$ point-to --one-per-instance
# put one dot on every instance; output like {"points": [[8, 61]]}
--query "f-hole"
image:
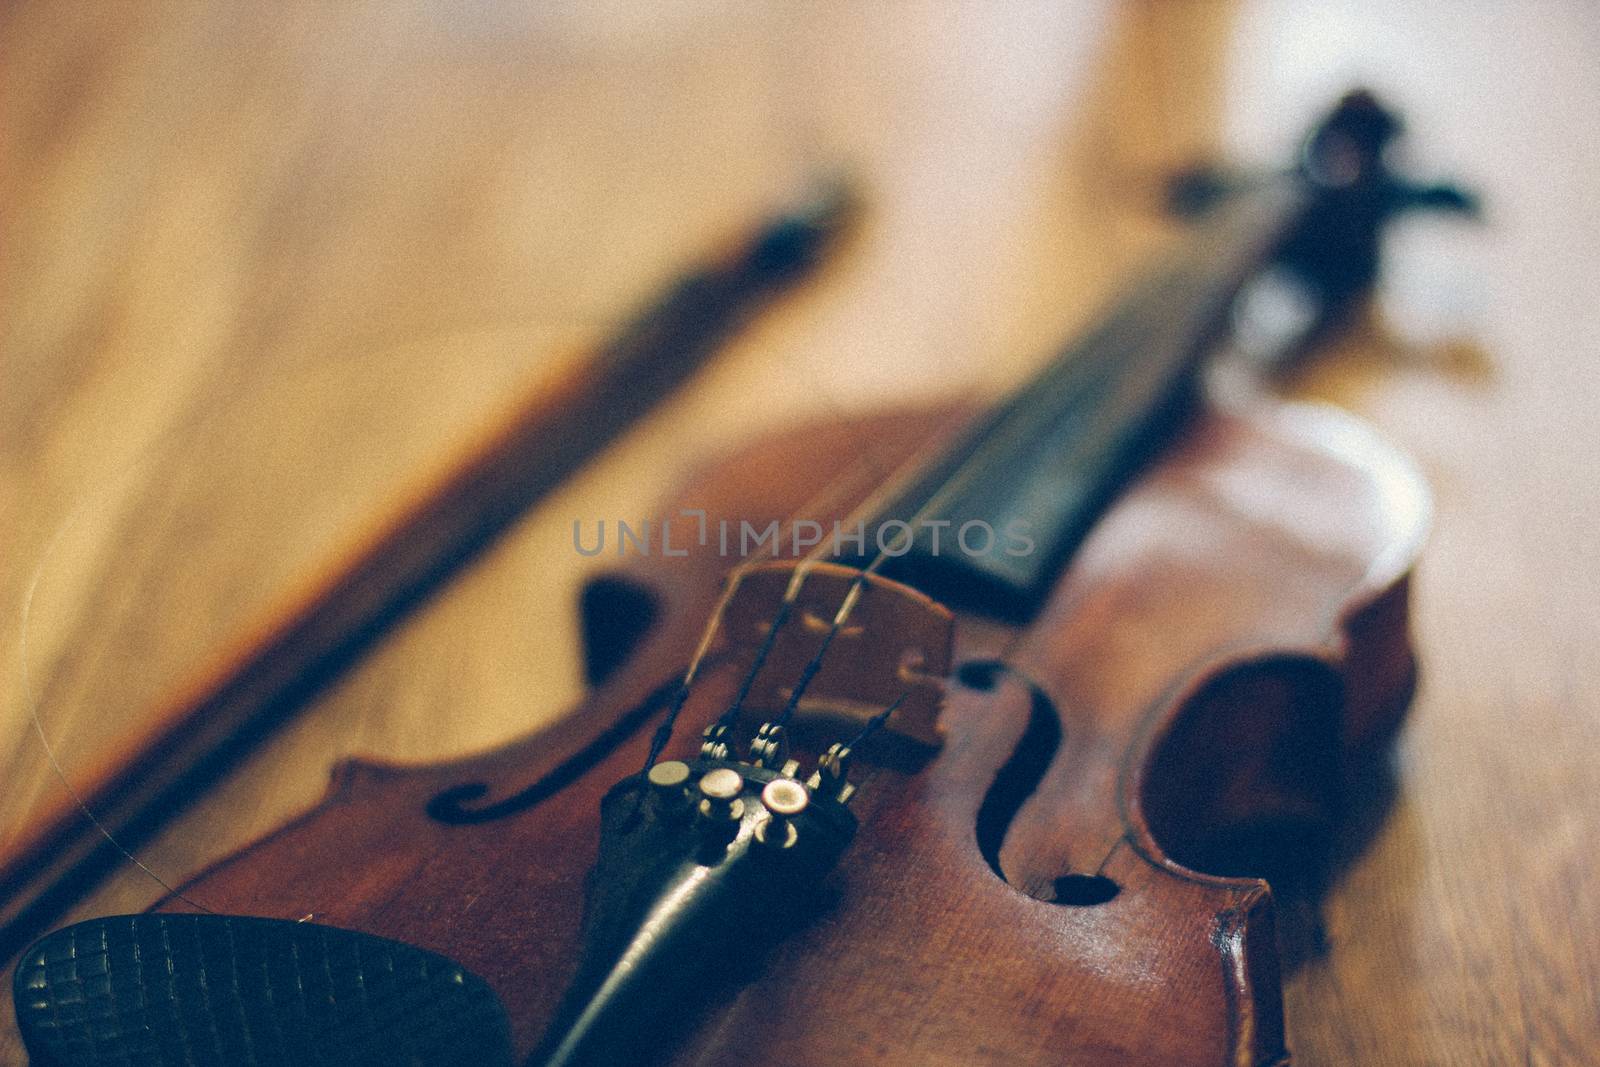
{"points": [[1019, 776], [1018, 779], [1083, 890]]}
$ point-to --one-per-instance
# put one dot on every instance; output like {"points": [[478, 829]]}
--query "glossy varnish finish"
{"points": [[1230, 583], [261, 268]]}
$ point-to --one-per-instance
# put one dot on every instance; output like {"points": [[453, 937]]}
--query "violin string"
{"points": [[874, 724], [814, 664], [886, 485], [970, 467], [964, 473], [792, 592], [1013, 422], [902, 476], [818, 502], [936, 500], [790, 596], [846, 606], [663, 733]]}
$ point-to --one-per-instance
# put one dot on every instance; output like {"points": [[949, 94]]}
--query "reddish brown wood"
{"points": [[1232, 634]]}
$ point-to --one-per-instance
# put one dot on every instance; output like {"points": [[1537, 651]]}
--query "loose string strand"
{"points": [[31, 697]]}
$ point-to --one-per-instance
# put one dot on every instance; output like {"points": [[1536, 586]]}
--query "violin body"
{"points": [[1074, 876]]}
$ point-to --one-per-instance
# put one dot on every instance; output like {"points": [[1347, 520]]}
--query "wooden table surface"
{"points": [[265, 267]]}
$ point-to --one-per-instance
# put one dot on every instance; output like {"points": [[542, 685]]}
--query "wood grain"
{"points": [[174, 751], [1200, 670], [260, 267]]}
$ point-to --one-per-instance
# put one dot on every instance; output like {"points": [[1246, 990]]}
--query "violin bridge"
{"points": [[894, 645]]}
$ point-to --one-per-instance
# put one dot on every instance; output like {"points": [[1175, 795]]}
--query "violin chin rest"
{"points": [[156, 990]]}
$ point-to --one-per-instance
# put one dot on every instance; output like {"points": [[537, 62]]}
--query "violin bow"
{"points": [[213, 721], [703, 863]]}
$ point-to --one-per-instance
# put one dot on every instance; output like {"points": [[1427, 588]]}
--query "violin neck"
{"points": [[1037, 471]]}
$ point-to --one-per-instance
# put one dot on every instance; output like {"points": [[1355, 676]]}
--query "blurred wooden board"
{"points": [[259, 268]]}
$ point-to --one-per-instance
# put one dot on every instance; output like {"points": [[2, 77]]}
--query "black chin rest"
{"points": [[158, 990]]}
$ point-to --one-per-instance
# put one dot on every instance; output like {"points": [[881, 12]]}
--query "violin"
{"points": [[941, 736]]}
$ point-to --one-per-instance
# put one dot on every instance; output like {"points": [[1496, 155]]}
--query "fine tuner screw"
{"points": [[832, 775], [669, 781], [720, 805], [784, 798], [769, 747], [717, 742]]}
